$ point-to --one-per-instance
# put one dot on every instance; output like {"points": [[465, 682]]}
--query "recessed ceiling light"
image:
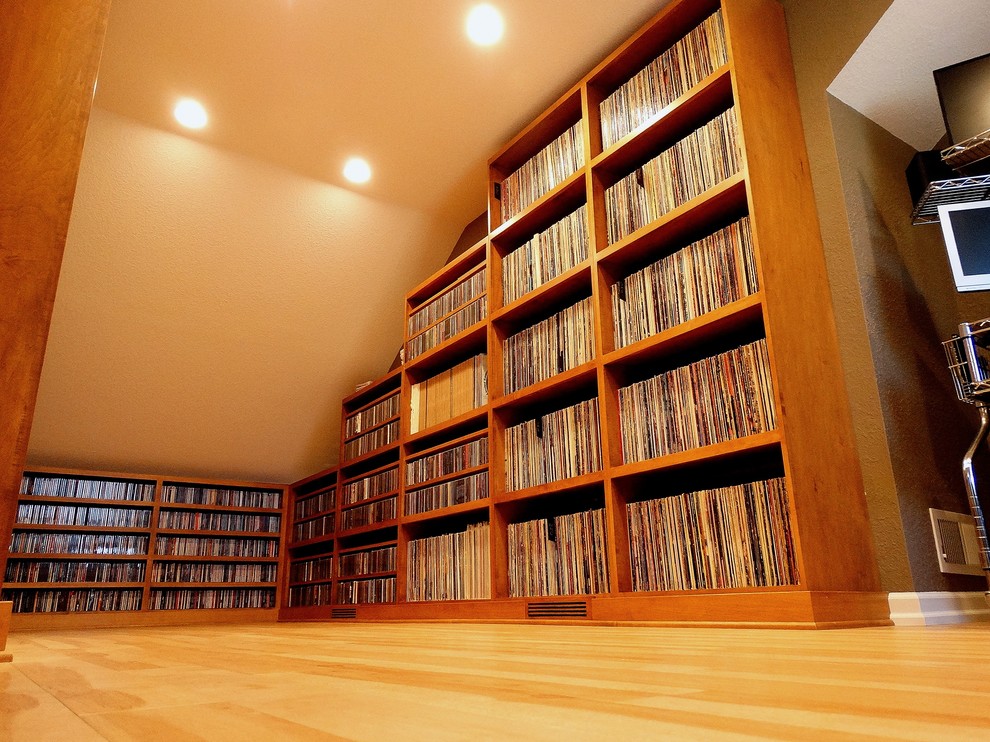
{"points": [[357, 170], [190, 113], [485, 25]]}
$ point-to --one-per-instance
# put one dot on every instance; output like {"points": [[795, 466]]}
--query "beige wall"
{"points": [[894, 303]]}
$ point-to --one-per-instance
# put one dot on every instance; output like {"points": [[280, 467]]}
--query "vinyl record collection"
{"points": [[215, 572], [171, 600], [74, 571], [563, 341], [83, 515], [736, 536], [561, 444], [451, 566], [312, 505], [72, 600], [449, 393], [46, 485], [703, 276], [201, 546], [546, 255], [689, 61], [367, 561], [364, 515], [699, 161], [370, 486], [543, 171], [319, 526], [205, 520], [564, 555], [371, 441], [371, 590], [462, 293], [311, 570], [302, 595], [446, 494], [716, 399], [33, 542], [372, 416], [227, 497], [447, 328], [448, 461]]}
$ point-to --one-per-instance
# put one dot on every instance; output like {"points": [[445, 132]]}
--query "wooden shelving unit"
{"points": [[82, 555], [775, 481]]}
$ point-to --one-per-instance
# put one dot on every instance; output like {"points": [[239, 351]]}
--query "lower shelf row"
{"points": [[74, 600]]}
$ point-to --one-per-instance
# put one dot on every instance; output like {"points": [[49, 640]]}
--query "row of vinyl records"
{"points": [[564, 555], [449, 461], [736, 536], [716, 399], [322, 526], [83, 515], [363, 515], [311, 570], [234, 597], [223, 496], [73, 571], [371, 486], [446, 494], [321, 502], [448, 328], [215, 572], [464, 292], [211, 546], [303, 595], [449, 393], [367, 561], [682, 66], [46, 485], [451, 566], [563, 341], [698, 278], [213, 521], [699, 161], [558, 445], [372, 416], [371, 441], [73, 600], [31, 542], [545, 255], [370, 590], [543, 171]]}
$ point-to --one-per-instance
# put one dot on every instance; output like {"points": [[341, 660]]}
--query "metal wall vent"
{"points": [[343, 613], [956, 544], [558, 609]]}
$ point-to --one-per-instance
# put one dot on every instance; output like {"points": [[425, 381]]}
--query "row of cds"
{"points": [[543, 171], [311, 570], [699, 161], [30, 542], [83, 515], [367, 561], [372, 416], [446, 329], [205, 520], [705, 275], [235, 547], [689, 61], [563, 341], [321, 502], [72, 600], [303, 595], [224, 496], [372, 590], [217, 572], [449, 393], [74, 571], [371, 441], [371, 486], [363, 515], [463, 292], [716, 399], [451, 566], [46, 485], [175, 600], [321, 526], [561, 444], [447, 494], [728, 537], [449, 461], [565, 555], [546, 255]]}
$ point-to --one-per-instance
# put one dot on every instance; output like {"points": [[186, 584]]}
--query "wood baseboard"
{"points": [[936, 608], [118, 619], [6, 608]]}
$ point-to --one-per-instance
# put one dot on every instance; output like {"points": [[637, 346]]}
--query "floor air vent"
{"points": [[343, 613], [956, 542], [558, 609]]}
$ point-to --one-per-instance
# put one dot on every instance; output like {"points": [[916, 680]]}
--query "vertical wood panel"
{"points": [[49, 57]]}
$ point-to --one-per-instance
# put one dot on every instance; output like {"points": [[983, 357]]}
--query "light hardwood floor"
{"points": [[366, 681]]}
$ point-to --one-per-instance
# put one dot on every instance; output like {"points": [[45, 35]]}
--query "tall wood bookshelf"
{"points": [[104, 549], [772, 482]]}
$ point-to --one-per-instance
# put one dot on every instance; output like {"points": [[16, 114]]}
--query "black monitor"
{"points": [[964, 92]]}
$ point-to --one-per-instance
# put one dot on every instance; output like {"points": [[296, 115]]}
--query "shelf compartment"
{"points": [[156, 585], [368, 528], [46, 500], [353, 468], [325, 538], [460, 474], [374, 392], [320, 581], [49, 527], [382, 496], [214, 558], [569, 195], [454, 272], [77, 556], [571, 484], [470, 339], [217, 534], [548, 391], [453, 511], [372, 428], [574, 282], [218, 508], [366, 576], [72, 585]]}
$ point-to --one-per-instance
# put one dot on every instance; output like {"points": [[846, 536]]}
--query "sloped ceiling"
{"points": [[223, 290]]}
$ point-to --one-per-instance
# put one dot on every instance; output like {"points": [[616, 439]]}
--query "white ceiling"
{"points": [[889, 78], [222, 290]]}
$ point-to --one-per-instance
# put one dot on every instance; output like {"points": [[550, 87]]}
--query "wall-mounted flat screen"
{"points": [[966, 229]]}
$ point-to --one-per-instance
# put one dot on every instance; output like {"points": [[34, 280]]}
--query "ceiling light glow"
{"points": [[190, 113], [357, 170], [485, 25]]}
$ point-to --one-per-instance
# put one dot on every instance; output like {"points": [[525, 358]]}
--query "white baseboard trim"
{"points": [[932, 609]]}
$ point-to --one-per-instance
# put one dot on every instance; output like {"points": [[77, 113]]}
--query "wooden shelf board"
{"points": [[369, 528], [146, 617], [73, 585], [571, 283], [369, 547], [463, 419], [556, 387], [451, 443], [374, 498], [320, 581], [33, 556], [452, 273], [714, 452], [463, 473], [218, 534], [463, 305], [390, 447], [464, 342], [366, 576], [316, 516], [378, 389], [55, 527], [210, 585], [373, 428], [213, 558], [322, 539], [561, 485], [219, 508], [101, 502], [552, 206], [369, 473], [440, 513]]}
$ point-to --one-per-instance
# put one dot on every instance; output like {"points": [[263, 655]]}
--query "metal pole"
{"points": [[974, 503]]}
